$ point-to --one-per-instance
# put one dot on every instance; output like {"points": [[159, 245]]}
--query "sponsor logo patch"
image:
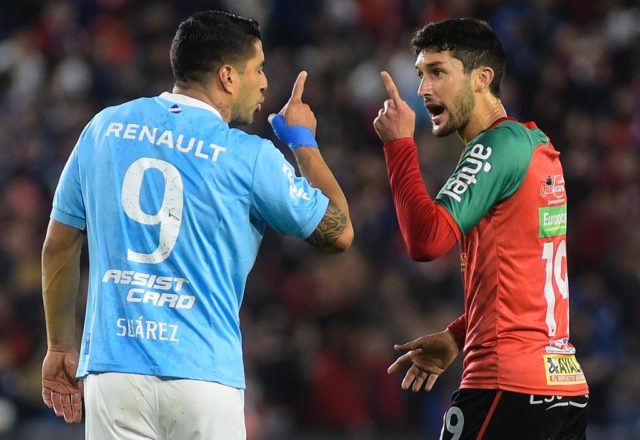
{"points": [[560, 346], [552, 190], [553, 221], [563, 370]]}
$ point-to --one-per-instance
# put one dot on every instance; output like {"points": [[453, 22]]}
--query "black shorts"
{"points": [[503, 415]]}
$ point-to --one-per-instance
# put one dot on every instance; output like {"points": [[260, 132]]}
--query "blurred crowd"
{"points": [[319, 330]]}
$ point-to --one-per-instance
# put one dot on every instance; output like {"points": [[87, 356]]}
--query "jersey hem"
{"points": [[406, 142], [67, 219], [107, 368], [308, 230], [526, 390]]}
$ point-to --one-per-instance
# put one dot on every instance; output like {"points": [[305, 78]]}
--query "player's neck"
{"points": [[205, 96], [485, 113]]}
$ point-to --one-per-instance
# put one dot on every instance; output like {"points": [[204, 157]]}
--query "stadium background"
{"points": [[318, 330]]}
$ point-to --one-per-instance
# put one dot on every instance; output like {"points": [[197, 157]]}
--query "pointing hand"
{"points": [[395, 119]]}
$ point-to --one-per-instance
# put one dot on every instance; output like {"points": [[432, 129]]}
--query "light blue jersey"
{"points": [[175, 204]]}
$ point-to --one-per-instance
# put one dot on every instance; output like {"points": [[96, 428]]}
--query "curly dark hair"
{"points": [[470, 40]]}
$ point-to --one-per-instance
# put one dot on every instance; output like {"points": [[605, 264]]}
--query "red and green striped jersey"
{"points": [[506, 202]]}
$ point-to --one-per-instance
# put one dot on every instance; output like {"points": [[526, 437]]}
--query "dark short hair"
{"points": [[209, 39], [470, 40]]}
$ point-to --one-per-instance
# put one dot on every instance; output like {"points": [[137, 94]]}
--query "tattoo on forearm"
{"points": [[330, 228]]}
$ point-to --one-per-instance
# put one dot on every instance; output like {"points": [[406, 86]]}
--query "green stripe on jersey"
{"points": [[553, 221], [491, 169]]}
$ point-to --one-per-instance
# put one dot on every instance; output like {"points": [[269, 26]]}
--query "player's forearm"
{"points": [[59, 291], [60, 279], [425, 228], [335, 231], [316, 171]]}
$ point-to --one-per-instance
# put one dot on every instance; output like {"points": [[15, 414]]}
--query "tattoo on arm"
{"points": [[329, 230]]}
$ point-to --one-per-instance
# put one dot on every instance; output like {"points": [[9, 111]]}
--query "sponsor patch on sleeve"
{"points": [[553, 221], [563, 370]]}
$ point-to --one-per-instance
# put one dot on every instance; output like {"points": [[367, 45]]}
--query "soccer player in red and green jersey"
{"points": [[507, 206]]}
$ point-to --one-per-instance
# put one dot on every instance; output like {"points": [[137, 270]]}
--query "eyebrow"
{"points": [[431, 65]]}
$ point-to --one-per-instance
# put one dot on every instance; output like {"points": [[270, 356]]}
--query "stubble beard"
{"points": [[242, 117], [460, 112], [242, 112]]}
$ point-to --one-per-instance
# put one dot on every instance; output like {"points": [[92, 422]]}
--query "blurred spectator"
{"points": [[320, 344]]}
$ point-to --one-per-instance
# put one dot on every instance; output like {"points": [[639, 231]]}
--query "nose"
{"points": [[425, 88], [265, 83]]}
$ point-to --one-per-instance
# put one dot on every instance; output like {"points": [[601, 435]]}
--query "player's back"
{"points": [[167, 190], [154, 170]]}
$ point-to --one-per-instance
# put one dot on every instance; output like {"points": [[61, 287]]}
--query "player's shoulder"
{"points": [[508, 146], [248, 139], [248, 145], [509, 141], [119, 110], [509, 133]]}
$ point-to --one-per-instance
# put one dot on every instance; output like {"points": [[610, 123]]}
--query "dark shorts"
{"points": [[503, 415]]}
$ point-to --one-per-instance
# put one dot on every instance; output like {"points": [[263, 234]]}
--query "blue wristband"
{"points": [[293, 135]]}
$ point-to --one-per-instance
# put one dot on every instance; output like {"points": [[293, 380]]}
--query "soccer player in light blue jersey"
{"points": [[174, 205]]}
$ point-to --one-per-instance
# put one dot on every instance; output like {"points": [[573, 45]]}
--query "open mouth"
{"points": [[435, 110], [437, 113]]}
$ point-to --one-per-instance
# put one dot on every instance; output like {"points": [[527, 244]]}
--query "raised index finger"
{"points": [[392, 90], [298, 87]]}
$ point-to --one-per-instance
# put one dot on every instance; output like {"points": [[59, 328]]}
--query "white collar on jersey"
{"points": [[188, 100]]}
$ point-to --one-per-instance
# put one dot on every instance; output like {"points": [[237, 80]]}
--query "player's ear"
{"points": [[227, 77], [482, 78]]}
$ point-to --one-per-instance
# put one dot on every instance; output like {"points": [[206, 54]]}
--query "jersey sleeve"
{"points": [[68, 204], [491, 169], [427, 228], [458, 329], [284, 201]]}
